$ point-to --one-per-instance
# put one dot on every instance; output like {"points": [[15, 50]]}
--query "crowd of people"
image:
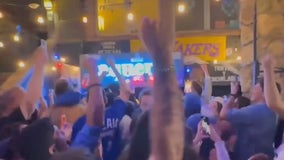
{"points": [[162, 123]]}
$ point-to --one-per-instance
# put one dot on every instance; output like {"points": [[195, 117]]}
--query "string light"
{"points": [[16, 38], [1, 44], [130, 16], [181, 7], [85, 19], [215, 61], [21, 64], [40, 20]]}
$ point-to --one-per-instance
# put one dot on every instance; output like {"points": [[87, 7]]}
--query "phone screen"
{"points": [[187, 86], [205, 126], [43, 44]]}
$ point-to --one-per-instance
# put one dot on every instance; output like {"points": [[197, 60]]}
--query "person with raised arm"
{"points": [[207, 89], [167, 116], [18, 105], [90, 133], [255, 117], [271, 93], [124, 88], [274, 101]]}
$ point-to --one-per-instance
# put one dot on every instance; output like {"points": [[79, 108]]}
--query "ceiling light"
{"points": [[85, 19], [130, 16], [48, 5], [181, 8], [1, 44], [33, 5], [16, 38], [21, 64], [40, 20]]}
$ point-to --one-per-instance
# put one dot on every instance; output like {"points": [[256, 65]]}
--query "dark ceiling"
{"points": [[19, 13]]}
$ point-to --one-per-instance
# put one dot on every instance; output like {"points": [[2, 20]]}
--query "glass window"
{"points": [[193, 16], [224, 14]]}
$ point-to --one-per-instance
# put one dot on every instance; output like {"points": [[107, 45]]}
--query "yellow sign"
{"points": [[206, 48]]}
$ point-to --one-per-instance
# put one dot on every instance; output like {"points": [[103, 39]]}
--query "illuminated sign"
{"points": [[128, 69], [136, 68], [208, 48]]}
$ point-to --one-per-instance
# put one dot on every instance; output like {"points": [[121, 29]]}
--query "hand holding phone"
{"points": [[205, 125]]}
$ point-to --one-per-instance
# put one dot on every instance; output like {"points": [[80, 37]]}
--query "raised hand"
{"points": [[150, 35], [204, 69], [156, 41], [90, 64], [268, 62], [200, 135]]}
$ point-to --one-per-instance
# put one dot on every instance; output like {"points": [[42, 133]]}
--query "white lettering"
{"points": [[112, 123], [128, 69]]}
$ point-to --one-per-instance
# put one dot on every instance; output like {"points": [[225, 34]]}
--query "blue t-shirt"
{"points": [[256, 127], [111, 134], [68, 98], [88, 137], [192, 104]]}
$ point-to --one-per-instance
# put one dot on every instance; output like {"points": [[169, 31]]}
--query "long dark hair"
{"points": [[140, 147]]}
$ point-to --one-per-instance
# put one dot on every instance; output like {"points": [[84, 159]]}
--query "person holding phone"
{"points": [[208, 131]]}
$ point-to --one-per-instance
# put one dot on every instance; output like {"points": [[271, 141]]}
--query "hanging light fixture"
{"points": [[33, 5], [181, 7]]}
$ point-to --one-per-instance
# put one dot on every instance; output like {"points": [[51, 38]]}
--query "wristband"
{"points": [[94, 85]]}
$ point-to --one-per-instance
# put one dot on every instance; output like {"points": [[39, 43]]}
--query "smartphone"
{"points": [[43, 44], [187, 86], [205, 125]]}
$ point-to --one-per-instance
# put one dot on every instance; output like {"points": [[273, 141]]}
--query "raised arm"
{"points": [[95, 105], [231, 101], [207, 90], [272, 95], [167, 125], [34, 89], [125, 90], [90, 134]]}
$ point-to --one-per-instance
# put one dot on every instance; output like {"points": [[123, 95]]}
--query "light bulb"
{"points": [[181, 8], [130, 16], [85, 19], [40, 20]]}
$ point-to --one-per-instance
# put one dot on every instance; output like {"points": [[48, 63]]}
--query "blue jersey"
{"points": [[111, 134]]}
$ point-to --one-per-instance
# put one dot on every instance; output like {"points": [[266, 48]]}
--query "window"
{"points": [[193, 16], [224, 14]]}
